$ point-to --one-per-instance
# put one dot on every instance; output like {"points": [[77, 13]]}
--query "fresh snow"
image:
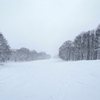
{"points": [[50, 80]]}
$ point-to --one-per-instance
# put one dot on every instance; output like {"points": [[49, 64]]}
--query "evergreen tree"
{"points": [[4, 49]]}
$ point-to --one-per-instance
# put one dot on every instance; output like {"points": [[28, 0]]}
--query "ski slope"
{"points": [[50, 80]]}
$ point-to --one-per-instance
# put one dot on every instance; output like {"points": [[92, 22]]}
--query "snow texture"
{"points": [[50, 80]]}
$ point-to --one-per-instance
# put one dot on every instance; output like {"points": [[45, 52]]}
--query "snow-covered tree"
{"points": [[24, 54], [66, 51], [86, 46], [97, 43], [4, 49]]}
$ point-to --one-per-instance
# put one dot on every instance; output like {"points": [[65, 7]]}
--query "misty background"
{"points": [[44, 25]]}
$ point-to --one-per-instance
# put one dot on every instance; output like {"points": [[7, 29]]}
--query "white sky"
{"points": [[43, 25]]}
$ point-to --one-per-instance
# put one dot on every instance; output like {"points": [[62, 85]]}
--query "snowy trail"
{"points": [[50, 80]]}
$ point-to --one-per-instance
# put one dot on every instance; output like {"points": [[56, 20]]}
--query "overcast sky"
{"points": [[43, 25]]}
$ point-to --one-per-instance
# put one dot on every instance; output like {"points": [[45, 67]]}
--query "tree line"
{"points": [[22, 54], [86, 46]]}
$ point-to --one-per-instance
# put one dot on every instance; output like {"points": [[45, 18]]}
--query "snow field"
{"points": [[50, 80]]}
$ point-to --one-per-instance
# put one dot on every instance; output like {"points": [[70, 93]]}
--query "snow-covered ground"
{"points": [[50, 80]]}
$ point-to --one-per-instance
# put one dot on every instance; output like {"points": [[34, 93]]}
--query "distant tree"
{"points": [[33, 55], [24, 54], [92, 44], [66, 50], [4, 49], [43, 55], [78, 47]]}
